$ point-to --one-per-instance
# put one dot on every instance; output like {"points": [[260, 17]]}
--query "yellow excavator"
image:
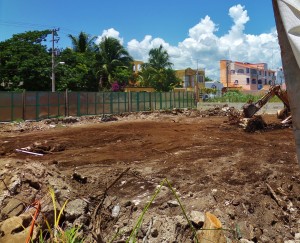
{"points": [[251, 108]]}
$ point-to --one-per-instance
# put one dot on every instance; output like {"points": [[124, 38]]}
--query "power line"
{"points": [[34, 25]]}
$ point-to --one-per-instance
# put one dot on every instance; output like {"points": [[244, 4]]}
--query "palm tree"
{"points": [[83, 43], [159, 58], [111, 57], [158, 72]]}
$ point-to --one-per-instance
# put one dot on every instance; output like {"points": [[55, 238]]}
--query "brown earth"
{"points": [[250, 181]]}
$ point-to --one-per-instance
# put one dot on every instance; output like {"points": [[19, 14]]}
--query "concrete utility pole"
{"points": [[54, 34]]}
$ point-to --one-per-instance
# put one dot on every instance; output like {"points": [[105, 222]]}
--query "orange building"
{"points": [[246, 76]]}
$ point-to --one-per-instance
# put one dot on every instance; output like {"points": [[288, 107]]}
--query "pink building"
{"points": [[246, 76]]}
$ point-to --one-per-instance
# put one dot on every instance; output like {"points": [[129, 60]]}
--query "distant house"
{"points": [[137, 66], [189, 78], [246, 76], [214, 85]]}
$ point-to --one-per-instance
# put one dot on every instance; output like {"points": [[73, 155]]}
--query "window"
{"points": [[247, 70], [270, 82], [253, 71], [232, 71], [240, 71], [259, 72], [265, 73], [266, 81], [200, 78], [259, 81], [248, 81], [253, 81], [236, 82]]}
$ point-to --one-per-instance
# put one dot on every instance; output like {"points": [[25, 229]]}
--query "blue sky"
{"points": [[192, 31]]}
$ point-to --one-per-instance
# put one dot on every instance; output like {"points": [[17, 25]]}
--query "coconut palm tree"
{"points": [[159, 58], [83, 43], [112, 56], [158, 72]]}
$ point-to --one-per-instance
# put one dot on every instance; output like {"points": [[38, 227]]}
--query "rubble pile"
{"points": [[44, 147], [98, 218], [253, 124]]}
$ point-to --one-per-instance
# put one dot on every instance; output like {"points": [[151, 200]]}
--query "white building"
{"points": [[279, 76]]}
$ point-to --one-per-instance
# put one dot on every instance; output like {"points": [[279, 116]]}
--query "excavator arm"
{"points": [[251, 108]]}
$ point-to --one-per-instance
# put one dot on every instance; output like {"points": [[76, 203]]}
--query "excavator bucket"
{"points": [[249, 110]]}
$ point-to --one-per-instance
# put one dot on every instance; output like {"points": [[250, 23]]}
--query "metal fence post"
{"points": [[129, 101], [160, 100], [78, 103], [87, 103], [23, 104], [118, 102], [111, 103], [66, 103], [138, 101], [12, 106], [103, 103], [95, 97], [37, 106], [150, 101]]}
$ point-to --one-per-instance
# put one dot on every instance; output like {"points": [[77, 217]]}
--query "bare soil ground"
{"points": [[250, 181]]}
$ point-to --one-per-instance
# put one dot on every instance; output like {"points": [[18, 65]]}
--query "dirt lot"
{"points": [[250, 181]]}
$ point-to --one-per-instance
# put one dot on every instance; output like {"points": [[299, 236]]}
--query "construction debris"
{"points": [[253, 124], [28, 152]]}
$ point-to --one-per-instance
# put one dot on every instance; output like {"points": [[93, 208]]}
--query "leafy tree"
{"points": [[112, 58], [208, 79], [78, 73], [123, 75], [24, 62], [158, 72], [83, 43]]}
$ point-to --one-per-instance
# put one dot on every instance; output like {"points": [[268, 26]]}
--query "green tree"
{"points": [[159, 58], [158, 72], [83, 43], [207, 79], [78, 73], [112, 57], [24, 62]]}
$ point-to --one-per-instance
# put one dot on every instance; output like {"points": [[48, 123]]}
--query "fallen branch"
{"points": [[275, 197], [96, 231]]}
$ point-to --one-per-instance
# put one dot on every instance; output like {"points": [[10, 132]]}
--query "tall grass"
{"points": [[56, 234], [239, 97], [133, 236]]}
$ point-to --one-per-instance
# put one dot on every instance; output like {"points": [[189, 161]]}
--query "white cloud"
{"points": [[202, 46], [110, 33]]}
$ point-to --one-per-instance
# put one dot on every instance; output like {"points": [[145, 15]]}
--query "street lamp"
{"points": [[54, 65]]}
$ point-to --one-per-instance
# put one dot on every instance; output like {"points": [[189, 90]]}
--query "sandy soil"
{"points": [[213, 166]]}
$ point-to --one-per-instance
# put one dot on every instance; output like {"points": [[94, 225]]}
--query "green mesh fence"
{"points": [[30, 105]]}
